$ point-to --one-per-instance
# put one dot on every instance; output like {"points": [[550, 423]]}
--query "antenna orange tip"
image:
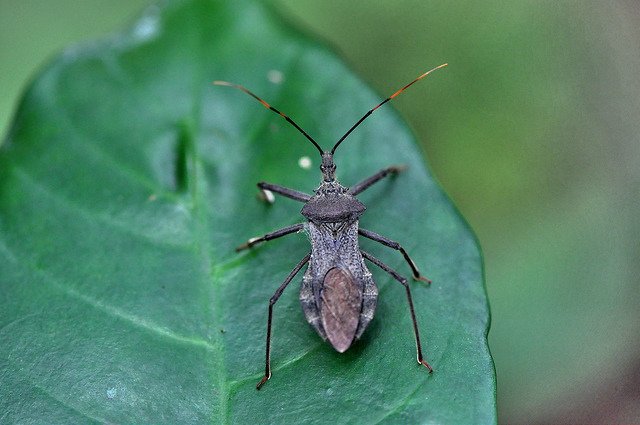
{"points": [[434, 69]]}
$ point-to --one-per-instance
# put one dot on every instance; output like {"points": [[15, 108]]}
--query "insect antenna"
{"points": [[266, 105], [382, 103]]}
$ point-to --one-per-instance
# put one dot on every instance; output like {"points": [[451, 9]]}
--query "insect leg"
{"points": [[267, 188], [272, 301], [395, 245], [404, 283], [364, 184], [273, 235]]}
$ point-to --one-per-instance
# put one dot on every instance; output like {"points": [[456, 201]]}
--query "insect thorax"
{"points": [[332, 204]]}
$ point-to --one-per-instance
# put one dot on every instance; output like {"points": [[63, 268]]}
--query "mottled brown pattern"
{"points": [[340, 308]]}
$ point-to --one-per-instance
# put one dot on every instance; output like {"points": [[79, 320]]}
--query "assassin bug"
{"points": [[338, 294]]}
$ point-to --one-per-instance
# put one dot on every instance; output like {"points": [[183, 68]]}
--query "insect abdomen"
{"points": [[334, 259], [340, 308]]}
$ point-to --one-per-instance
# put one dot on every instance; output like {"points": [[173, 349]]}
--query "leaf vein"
{"points": [[88, 214], [58, 400], [113, 311], [94, 150], [132, 319], [278, 367]]}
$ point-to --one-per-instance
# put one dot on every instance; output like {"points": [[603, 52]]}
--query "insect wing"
{"points": [[340, 307]]}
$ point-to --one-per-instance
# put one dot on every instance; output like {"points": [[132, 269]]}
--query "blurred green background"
{"points": [[533, 130]]}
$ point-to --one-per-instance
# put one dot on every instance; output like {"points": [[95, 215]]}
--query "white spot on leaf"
{"points": [[305, 162], [148, 26], [111, 393], [275, 76]]}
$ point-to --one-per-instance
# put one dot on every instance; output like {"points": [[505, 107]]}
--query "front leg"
{"points": [[273, 235], [364, 184], [267, 190], [395, 245]]}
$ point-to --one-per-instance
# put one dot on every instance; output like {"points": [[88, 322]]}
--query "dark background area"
{"points": [[533, 130]]}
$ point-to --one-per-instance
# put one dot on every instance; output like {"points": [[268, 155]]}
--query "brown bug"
{"points": [[338, 294]]}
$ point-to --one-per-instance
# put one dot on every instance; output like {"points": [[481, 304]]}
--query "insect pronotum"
{"points": [[338, 294]]}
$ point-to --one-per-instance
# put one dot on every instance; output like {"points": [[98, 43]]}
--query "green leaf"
{"points": [[127, 180]]}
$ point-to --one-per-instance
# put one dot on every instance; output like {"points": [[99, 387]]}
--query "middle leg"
{"points": [[395, 245], [273, 235]]}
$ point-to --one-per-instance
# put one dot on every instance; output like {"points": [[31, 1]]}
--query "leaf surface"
{"points": [[125, 183]]}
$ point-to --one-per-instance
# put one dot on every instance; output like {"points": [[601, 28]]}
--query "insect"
{"points": [[338, 294]]}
